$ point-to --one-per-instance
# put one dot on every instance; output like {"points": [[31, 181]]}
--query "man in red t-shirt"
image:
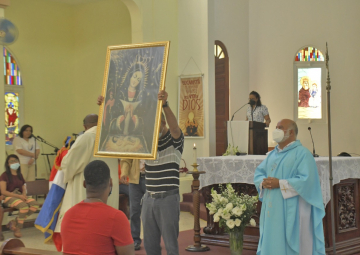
{"points": [[91, 226]]}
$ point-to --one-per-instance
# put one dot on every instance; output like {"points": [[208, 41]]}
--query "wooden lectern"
{"points": [[251, 137]]}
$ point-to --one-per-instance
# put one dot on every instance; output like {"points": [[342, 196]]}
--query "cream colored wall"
{"points": [[96, 26], [61, 51], [193, 43], [42, 51], [232, 29], [277, 30]]}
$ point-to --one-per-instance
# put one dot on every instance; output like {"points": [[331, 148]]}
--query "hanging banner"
{"points": [[191, 106]]}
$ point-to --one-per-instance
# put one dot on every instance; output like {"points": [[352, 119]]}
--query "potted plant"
{"points": [[233, 212]]}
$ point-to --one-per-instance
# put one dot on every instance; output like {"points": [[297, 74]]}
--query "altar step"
{"points": [[187, 205]]}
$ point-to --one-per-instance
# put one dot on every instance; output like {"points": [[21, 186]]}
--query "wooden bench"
{"points": [[16, 246]]}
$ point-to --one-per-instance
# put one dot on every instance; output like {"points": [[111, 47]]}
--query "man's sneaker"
{"points": [[137, 246]]}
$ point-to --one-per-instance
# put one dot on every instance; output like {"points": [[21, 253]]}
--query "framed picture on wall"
{"points": [[191, 106], [129, 118]]}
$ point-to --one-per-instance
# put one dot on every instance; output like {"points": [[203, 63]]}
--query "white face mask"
{"points": [[279, 135], [15, 166]]}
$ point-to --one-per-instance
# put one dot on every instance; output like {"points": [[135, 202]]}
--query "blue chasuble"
{"points": [[279, 219]]}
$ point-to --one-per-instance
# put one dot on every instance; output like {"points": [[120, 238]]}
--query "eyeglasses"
{"points": [[13, 161]]}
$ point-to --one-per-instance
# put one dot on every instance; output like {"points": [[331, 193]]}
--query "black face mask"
{"points": [[252, 102]]}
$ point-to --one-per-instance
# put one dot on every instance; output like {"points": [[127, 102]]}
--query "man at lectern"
{"points": [[292, 205], [257, 111]]}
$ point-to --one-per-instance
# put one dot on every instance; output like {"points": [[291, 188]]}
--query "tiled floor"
{"points": [[33, 238]]}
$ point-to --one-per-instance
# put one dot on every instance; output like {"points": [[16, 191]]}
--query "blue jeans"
{"points": [[137, 191]]}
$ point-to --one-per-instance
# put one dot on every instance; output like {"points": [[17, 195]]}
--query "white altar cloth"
{"points": [[241, 169]]}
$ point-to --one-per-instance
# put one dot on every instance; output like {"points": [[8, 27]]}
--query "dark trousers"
{"points": [[160, 217], [136, 191]]}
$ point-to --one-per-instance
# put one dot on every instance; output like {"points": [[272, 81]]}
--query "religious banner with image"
{"points": [[129, 119], [309, 93], [191, 106]]}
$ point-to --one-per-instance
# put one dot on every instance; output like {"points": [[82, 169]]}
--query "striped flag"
{"points": [[48, 216]]}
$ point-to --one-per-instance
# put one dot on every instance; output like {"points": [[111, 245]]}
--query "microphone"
{"points": [[239, 110], [314, 154], [40, 138]]}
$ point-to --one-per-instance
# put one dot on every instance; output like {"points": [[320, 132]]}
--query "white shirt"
{"points": [[258, 113], [21, 143]]}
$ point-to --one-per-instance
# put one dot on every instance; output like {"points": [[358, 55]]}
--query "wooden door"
{"points": [[221, 96]]}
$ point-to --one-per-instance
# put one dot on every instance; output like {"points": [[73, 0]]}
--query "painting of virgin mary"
{"points": [[131, 105]]}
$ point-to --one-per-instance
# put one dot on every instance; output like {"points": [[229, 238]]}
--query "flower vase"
{"points": [[236, 242]]}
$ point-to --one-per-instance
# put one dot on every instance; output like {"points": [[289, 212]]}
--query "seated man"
{"points": [[91, 226]]}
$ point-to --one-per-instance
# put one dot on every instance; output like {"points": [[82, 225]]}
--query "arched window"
{"points": [[309, 77], [219, 51], [13, 96]]}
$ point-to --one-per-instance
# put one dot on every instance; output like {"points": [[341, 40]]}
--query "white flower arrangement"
{"points": [[232, 211]]}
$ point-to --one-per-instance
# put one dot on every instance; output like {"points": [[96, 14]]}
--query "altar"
{"points": [[239, 170]]}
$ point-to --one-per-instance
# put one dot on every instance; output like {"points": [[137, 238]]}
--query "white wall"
{"points": [[232, 28], [194, 42], [277, 29]]}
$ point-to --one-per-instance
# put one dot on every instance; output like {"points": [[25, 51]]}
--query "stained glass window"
{"points": [[309, 54], [309, 93], [12, 72], [11, 116]]}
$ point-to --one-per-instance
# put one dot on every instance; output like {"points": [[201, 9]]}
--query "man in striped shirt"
{"points": [[161, 202]]}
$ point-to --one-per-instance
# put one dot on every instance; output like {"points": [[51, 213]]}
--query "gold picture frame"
{"points": [[129, 117]]}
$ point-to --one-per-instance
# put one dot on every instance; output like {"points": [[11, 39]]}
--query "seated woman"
{"points": [[13, 187]]}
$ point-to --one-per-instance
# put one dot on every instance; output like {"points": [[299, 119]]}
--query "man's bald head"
{"points": [[90, 121], [289, 125]]}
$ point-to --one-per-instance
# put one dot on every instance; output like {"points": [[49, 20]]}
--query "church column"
{"points": [[3, 5]]}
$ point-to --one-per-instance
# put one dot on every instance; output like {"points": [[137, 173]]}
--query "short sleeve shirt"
{"points": [[94, 228], [162, 174], [258, 113], [16, 182], [21, 143]]}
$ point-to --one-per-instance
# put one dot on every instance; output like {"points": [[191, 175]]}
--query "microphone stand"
{"points": [[232, 139], [47, 156], [51, 145], [314, 154], [35, 159], [237, 111]]}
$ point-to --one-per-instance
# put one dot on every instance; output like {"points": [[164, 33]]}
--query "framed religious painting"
{"points": [[191, 106], [129, 118]]}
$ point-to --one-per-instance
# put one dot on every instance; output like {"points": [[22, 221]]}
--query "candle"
{"points": [[194, 153]]}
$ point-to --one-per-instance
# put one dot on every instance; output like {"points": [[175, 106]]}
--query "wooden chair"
{"points": [[16, 246], [38, 187]]}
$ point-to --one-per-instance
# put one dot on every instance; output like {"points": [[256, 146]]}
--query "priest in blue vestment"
{"points": [[292, 205]]}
